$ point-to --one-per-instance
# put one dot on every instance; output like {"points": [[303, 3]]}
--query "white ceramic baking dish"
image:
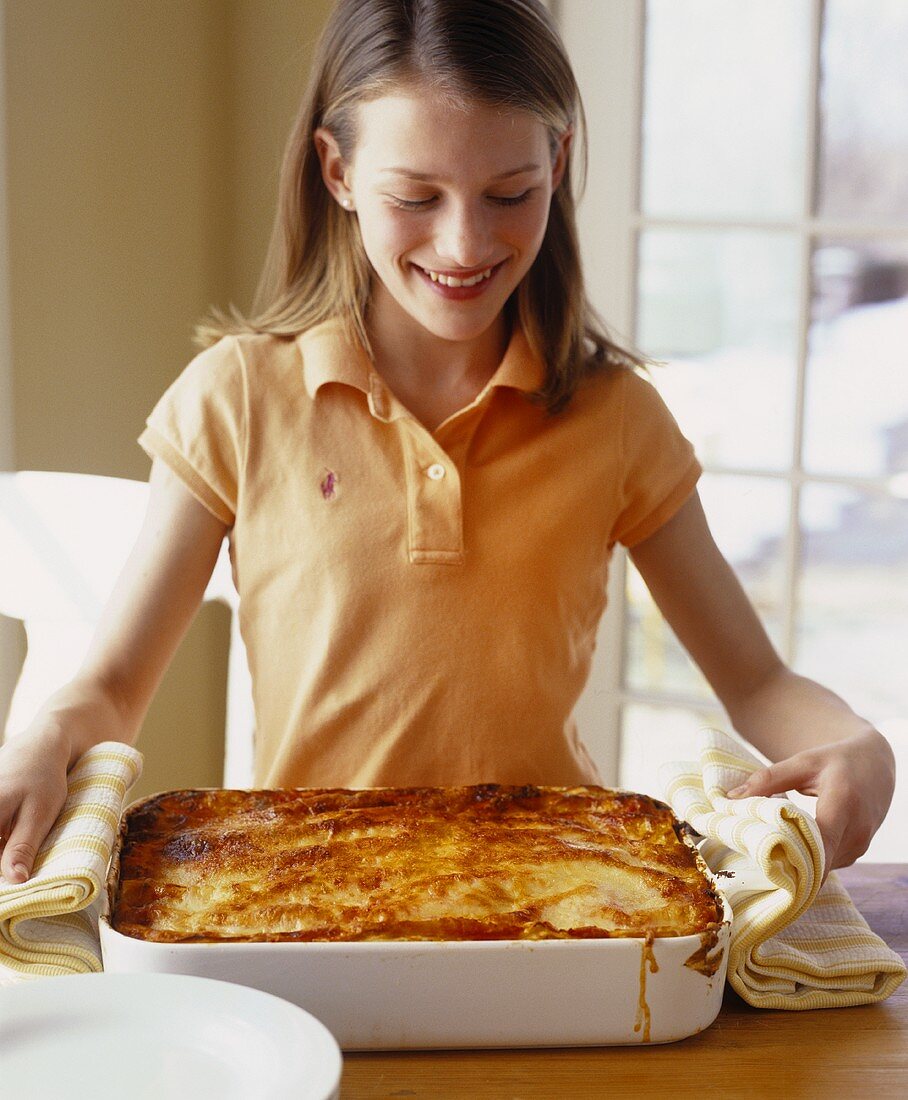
{"points": [[490, 993]]}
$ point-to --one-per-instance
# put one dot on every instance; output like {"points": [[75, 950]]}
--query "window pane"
{"points": [[749, 520], [651, 736], [857, 387], [724, 108], [863, 97], [722, 308], [853, 598]]}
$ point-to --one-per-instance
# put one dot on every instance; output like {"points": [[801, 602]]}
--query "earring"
{"points": [[347, 204]]}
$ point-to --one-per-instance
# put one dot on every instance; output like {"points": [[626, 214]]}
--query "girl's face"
{"points": [[452, 204]]}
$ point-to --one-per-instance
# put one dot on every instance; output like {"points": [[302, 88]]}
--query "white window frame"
{"points": [[605, 44]]}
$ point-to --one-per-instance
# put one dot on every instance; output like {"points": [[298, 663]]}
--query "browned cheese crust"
{"points": [[457, 863]]}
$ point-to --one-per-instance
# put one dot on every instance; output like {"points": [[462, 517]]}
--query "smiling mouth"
{"points": [[473, 279]]}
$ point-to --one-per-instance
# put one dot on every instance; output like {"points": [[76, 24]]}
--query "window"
{"points": [[747, 188]]}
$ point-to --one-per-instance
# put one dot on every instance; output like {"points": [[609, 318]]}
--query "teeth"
{"points": [[452, 280]]}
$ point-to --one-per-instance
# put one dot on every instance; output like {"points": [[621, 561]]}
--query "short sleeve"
{"points": [[659, 467], [198, 427]]}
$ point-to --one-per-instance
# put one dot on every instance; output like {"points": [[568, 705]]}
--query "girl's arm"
{"points": [[149, 611], [819, 745]]}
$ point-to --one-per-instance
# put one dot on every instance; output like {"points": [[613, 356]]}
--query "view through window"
{"points": [[772, 280]]}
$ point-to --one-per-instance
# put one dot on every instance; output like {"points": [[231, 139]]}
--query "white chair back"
{"points": [[64, 538]]}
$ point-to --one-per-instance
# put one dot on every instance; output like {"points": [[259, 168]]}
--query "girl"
{"points": [[423, 448]]}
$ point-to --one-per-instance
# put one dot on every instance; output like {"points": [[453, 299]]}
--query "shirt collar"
{"points": [[331, 355], [521, 368]]}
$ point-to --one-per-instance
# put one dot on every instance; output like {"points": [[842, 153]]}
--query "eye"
{"points": [[423, 204], [512, 200], [409, 204]]}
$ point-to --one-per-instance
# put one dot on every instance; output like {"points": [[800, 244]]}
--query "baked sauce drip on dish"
{"points": [[425, 863]]}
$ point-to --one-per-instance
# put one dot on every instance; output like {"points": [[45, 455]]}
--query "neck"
{"points": [[410, 358]]}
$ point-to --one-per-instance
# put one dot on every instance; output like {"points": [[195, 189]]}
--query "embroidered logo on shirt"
{"points": [[329, 485]]}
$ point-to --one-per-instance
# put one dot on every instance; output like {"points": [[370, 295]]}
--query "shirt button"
{"points": [[436, 471]]}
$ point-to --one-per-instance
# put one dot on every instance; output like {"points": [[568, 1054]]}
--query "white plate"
{"points": [[100, 1036]]}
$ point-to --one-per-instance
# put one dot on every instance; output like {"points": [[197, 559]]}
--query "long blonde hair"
{"points": [[504, 53]]}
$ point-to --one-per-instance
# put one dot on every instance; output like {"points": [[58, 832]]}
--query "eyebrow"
{"points": [[410, 174]]}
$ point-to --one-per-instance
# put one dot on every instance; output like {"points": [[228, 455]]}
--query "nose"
{"points": [[464, 237]]}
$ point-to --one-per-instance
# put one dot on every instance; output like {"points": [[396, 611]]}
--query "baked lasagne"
{"points": [[459, 863]]}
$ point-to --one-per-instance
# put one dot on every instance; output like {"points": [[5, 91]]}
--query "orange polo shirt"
{"points": [[418, 607]]}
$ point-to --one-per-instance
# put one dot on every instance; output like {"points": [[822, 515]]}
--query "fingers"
{"points": [[845, 827], [845, 820], [832, 829], [21, 846], [795, 773]]}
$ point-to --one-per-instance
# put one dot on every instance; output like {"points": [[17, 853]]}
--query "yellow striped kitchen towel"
{"points": [[49, 924], [794, 943]]}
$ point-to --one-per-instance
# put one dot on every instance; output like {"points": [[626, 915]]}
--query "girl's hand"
{"points": [[32, 792], [853, 781]]}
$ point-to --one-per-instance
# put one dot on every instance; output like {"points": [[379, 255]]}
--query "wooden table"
{"points": [[753, 1053]]}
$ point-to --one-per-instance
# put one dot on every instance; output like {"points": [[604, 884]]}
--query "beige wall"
{"points": [[10, 635], [143, 142], [6, 415]]}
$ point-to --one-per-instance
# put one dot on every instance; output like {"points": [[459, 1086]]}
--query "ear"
{"points": [[335, 172], [561, 156]]}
